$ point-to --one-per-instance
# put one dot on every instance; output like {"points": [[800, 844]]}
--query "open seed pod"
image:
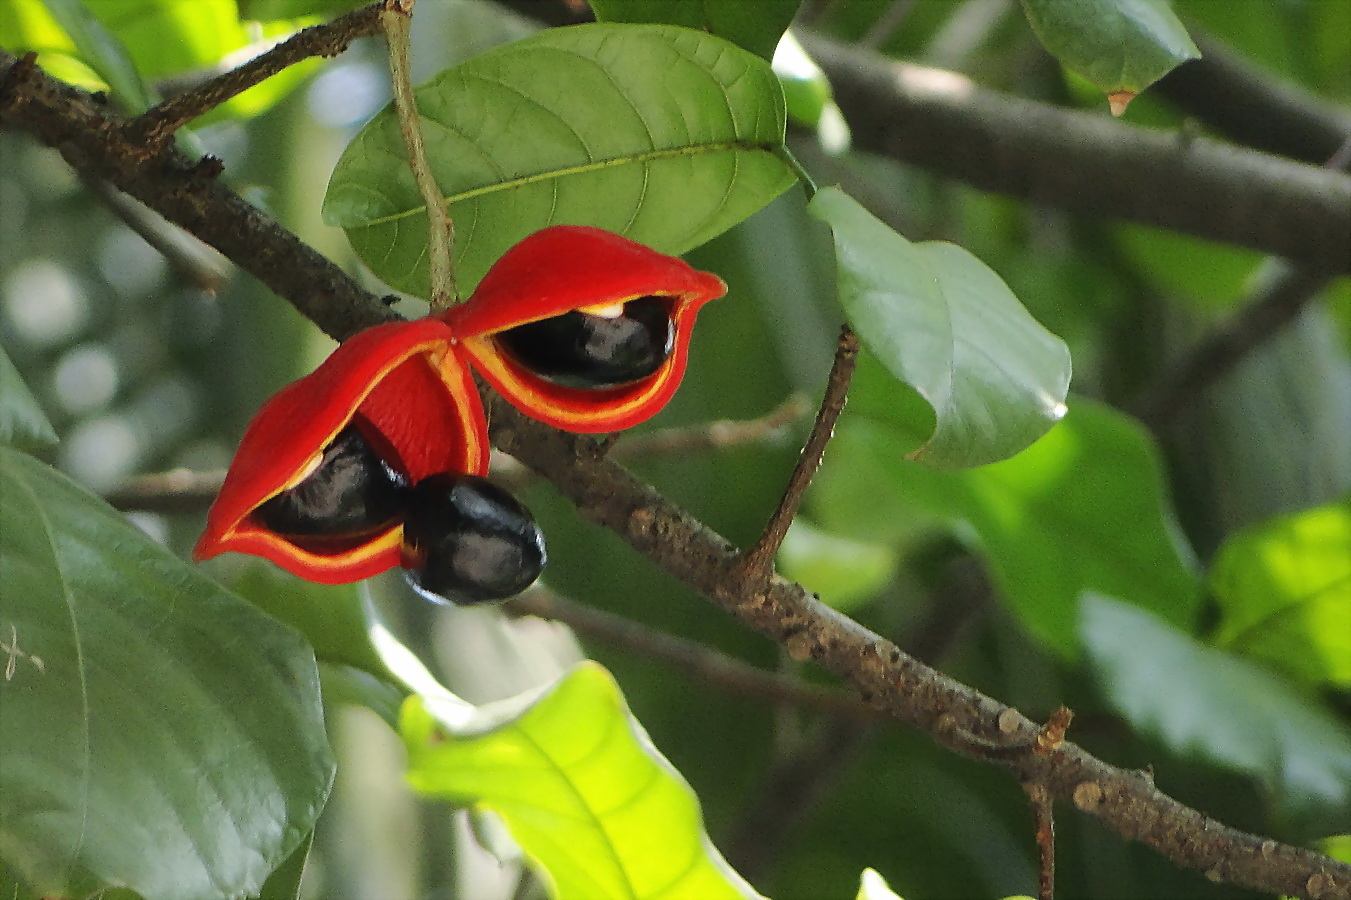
{"points": [[320, 482], [584, 329]]}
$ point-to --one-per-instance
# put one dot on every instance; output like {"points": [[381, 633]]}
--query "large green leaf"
{"points": [[756, 26], [156, 731], [579, 785], [22, 422], [942, 322], [1284, 590], [1119, 45], [1082, 509], [1208, 703], [663, 134]]}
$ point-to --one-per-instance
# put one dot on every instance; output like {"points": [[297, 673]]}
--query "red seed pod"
{"points": [[317, 484], [584, 329]]}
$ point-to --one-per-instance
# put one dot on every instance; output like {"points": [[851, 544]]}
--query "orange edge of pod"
{"points": [[566, 268], [403, 378]]}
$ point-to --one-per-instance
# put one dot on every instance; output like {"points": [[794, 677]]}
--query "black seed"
{"points": [[476, 541], [351, 495], [585, 351]]}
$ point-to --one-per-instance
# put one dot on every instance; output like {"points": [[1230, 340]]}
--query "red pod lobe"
{"points": [[407, 391], [568, 269]]}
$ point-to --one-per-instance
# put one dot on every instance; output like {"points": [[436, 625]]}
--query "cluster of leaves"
{"points": [[136, 686]]}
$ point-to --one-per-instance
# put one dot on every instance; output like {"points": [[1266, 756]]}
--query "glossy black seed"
{"points": [[582, 350], [351, 494], [476, 541]]}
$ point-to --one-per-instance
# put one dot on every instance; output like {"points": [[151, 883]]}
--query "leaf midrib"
{"points": [[582, 799], [47, 535], [583, 169]]}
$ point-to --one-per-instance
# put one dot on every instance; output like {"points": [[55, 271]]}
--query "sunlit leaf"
{"points": [[1284, 592], [1119, 45], [873, 886], [756, 26], [578, 783], [578, 126], [22, 422], [942, 322], [1207, 703], [104, 52], [156, 732], [844, 571], [1083, 509], [158, 39]]}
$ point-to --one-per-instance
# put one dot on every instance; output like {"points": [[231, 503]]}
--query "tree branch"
{"points": [[1085, 162], [155, 126], [1127, 802], [694, 659], [758, 561], [1252, 106], [1284, 292]]}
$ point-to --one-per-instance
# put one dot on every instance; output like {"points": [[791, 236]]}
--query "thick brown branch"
{"points": [[1254, 107], [1087, 162], [155, 126], [606, 493]]}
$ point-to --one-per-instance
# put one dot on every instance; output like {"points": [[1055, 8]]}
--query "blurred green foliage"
{"points": [[139, 370]]}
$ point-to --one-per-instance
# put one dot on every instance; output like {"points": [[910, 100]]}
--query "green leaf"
{"points": [[845, 572], [335, 619], [1284, 591], [1207, 703], [156, 732], [756, 26], [1122, 46], [579, 785], [583, 131], [284, 883], [105, 54], [22, 422], [873, 886], [942, 322], [1083, 509]]}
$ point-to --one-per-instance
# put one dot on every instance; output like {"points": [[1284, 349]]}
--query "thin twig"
{"points": [[396, 19], [197, 263], [1044, 816], [759, 560], [1130, 804], [1284, 293], [155, 126], [885, 25], [690, 657], [717, 435], [175, 491]]}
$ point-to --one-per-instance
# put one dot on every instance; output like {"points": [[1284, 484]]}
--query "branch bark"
{"points": [[1252, 107], [950, 712], [1085, 162]]}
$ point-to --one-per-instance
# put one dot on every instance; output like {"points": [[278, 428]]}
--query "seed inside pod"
{"points": [[349, 494], [599, 349]]}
